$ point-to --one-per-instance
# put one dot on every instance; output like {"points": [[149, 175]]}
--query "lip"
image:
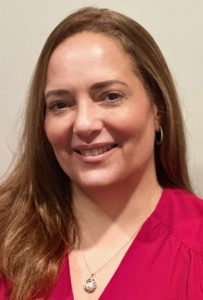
{"points": [[94, 153]]}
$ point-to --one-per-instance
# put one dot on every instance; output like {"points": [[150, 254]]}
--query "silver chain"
{"points": [[111, 258]]}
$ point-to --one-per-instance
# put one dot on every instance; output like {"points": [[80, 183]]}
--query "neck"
{"points": [[122, 207]]}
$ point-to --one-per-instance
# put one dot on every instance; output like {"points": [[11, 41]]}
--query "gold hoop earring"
{"points": [[159, 136]]}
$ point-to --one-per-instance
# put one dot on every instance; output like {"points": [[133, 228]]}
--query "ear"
{"points": [[156, 117]]}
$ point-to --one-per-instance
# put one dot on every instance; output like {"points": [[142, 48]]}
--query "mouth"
{"points": [[95, 151]]}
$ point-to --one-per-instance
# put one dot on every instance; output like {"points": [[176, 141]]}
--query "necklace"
{"points": [[91, 284]]}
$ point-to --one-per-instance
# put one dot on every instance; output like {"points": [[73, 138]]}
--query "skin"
{"points": [[83, 114], [101, 124]]}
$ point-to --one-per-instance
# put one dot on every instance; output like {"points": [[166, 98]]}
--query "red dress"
{"points": [[165, 260]]}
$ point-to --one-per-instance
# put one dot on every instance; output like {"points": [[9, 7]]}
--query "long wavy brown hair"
{"points": [[36, 218]]}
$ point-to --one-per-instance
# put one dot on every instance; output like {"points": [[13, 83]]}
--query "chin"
{"points": [[95, 180]]}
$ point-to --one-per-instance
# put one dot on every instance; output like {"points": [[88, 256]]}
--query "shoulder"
{"points": [[183, 203], [182, 213], [4, 289]]}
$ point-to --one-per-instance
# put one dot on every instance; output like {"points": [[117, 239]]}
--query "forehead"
{"points": [[89, 46], [86, 58]]}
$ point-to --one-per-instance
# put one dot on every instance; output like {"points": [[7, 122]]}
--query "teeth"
{"points": [[94, 152]]}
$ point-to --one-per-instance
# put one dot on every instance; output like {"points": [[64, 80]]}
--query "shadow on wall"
{"points": [[197, 180]]}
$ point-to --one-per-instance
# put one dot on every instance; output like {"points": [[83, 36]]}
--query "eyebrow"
{"points": [[95, 86], [104, 84], [57, 92]]}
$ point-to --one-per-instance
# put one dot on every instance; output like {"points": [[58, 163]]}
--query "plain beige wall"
{"points": [[176, 25]]}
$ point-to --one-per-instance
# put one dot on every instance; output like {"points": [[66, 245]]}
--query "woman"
{"points": [[99, 205]]}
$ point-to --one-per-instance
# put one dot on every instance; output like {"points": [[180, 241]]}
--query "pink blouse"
{"points": [[165, 260]]}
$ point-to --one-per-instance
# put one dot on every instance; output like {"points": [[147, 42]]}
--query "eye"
{"points": [[112, 96], [59, 105]]}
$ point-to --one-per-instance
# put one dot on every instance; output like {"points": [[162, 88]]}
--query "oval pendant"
{"points": [[90, 285]]}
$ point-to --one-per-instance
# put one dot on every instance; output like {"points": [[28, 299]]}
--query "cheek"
{"points": [[138, 128], [57, 133], [130, 126]]}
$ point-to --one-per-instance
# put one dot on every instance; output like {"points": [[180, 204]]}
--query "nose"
{"points": [[87, 122]]}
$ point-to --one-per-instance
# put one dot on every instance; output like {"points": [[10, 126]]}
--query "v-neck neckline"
{"points": [[139, 236]]}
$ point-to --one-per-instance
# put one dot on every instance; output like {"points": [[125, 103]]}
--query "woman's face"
{"points": [[99, 118]]}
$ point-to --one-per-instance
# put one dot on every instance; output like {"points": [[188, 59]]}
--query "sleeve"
{"points": [[4, 290], [195, 277]]}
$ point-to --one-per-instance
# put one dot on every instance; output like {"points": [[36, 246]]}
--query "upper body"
{"points": [[103, 140], [164, 260]]}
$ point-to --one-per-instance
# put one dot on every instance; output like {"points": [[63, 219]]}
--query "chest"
{"points": [[103, 269]]}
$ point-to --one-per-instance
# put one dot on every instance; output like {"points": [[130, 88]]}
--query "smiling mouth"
{"points": [[96, 151]]}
